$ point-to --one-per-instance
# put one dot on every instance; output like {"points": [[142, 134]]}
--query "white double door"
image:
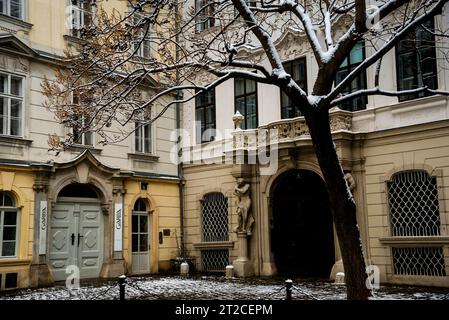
{"points": [[76, 238]]}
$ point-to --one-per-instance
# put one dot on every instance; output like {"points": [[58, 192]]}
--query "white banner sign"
{"points": [[43, 227], [118, 224]]}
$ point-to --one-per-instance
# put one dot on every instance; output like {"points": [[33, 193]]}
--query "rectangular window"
{"points": [[355, 57], [143, 138], [11, 104], [205, 116], [205, 18], [81, 134], [82, 15], [246, 102], [13, 8], [141, 41], [298, 71], [416, 61], [85, 138], [8, 232]]}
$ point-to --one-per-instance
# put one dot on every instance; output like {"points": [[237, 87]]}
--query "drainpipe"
{"points": [[179, 140]]}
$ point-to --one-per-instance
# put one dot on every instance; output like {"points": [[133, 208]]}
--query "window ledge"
{"points": [[144, 156], [81, 147], [214, 245], [6, 262], [74, 39], [12, 140], [414, 241], [15, 21]]}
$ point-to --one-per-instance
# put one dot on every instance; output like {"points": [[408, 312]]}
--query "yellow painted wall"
{"points": [[50, 22], [20, 184], [164, 206]]}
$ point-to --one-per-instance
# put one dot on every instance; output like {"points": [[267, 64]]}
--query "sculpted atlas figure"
{"points": [[245, 218]]}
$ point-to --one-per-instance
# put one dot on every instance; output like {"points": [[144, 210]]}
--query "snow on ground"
{"points": [[217, 288]]}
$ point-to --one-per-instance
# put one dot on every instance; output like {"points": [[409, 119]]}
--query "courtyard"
{"points": [[217, 288]]}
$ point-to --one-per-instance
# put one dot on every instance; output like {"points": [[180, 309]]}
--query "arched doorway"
{"points": [[77, 232], [302, 231], [140, 238]]}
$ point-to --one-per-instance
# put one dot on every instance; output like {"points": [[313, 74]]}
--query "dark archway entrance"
{"points": [[302, 231]]}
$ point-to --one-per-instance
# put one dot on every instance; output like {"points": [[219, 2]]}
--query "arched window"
{"points": [[214, 212], [414, 212], [140, 205], [214, 217], [9, 222]]}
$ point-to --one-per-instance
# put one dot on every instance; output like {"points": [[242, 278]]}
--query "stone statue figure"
{"points": [[245, 218]]}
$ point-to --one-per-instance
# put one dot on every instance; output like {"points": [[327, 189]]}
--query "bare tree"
{"points": [[107, 72]]}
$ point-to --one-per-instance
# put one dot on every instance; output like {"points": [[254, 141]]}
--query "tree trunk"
{"points": [[343, 205]]}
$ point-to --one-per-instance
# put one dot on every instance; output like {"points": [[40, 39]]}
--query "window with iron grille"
{"points": [[215, 260], [214, 212], [414, 212], [419, 261], [413, 200]]}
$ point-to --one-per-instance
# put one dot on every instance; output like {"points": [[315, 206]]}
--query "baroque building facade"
{"points": [[394, 152], [107, 210]]}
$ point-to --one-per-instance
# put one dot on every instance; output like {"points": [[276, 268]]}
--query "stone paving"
{"points": [[217, 288]]}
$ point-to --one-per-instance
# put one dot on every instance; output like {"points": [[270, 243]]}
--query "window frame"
{"points": [[78, 16], [203, 110], [145, 44], [245, 95], [204, 20], [283, 95], [4, 209], [140, 132], [362, 77], [81, 140], [7, 9], [138, 214], [9, 97], [416, 52]]}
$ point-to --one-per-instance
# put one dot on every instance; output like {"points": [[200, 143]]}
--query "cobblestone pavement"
{"points": [[217, 288]]}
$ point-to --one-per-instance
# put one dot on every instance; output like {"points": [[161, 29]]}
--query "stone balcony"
{"points": [[277, 134], [287, 130]]}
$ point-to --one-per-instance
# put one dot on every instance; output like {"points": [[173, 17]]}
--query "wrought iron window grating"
{"points": [[419, 261], [215, 260], [214, 210], [414, 208]]}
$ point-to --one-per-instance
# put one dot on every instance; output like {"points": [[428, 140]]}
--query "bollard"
{"points": [[184, 269], [229, 272], [289, 285], [122, 284]]}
